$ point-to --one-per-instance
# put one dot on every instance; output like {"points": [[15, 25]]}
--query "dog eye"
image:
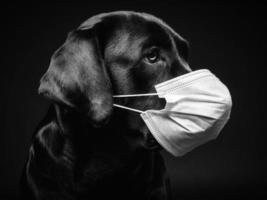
{"points": [[152, 56]]}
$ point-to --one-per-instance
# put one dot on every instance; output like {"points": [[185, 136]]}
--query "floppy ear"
{"points": [[77, 77]]}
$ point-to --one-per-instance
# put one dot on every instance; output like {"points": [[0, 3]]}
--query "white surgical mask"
{"points": [[198, 105]]}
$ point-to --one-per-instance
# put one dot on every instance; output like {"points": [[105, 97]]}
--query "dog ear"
{"points": [[77, 77], [182, 46]]}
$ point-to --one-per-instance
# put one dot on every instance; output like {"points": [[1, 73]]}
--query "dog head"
{"points": [[110, 54]]}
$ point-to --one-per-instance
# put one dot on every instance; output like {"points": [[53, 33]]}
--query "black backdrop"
{"points": [[229, 39]]}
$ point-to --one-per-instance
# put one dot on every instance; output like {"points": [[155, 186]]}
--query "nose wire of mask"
{"points": [[132, 95]]}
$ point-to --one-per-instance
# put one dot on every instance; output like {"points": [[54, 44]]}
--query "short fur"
{"points": [[85, 148]]}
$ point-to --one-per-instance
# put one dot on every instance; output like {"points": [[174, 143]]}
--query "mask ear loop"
{"points": [[132, 95], [127, 108]]}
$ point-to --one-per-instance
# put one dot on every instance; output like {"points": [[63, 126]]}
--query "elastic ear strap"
{"points": [[135, 95], [127, 108]]}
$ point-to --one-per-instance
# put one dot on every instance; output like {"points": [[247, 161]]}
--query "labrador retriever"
{"points": [[85, 148]]}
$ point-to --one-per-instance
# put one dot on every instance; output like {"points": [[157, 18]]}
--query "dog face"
{"points": [[115, 53]]}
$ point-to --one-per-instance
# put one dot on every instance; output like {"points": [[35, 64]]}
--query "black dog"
{"points": [[85, 148]]}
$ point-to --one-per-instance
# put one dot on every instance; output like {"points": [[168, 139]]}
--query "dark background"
{"points": [[228, 39]]}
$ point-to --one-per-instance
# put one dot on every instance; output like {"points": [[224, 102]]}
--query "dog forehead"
{"points": [[124, 42], [125, 34]]}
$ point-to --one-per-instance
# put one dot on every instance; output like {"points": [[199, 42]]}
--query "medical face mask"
{"points": [[198, 105]]}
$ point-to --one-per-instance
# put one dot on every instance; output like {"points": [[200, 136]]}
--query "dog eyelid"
{"points": [[152, 55]]}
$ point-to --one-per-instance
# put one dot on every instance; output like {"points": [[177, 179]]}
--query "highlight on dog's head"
{"points": [[114, 53]]}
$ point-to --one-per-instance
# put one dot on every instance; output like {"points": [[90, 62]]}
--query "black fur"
{"points": [[84, 148]]}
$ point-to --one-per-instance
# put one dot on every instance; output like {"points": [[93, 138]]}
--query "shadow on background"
{"points": [[228, 39]]}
